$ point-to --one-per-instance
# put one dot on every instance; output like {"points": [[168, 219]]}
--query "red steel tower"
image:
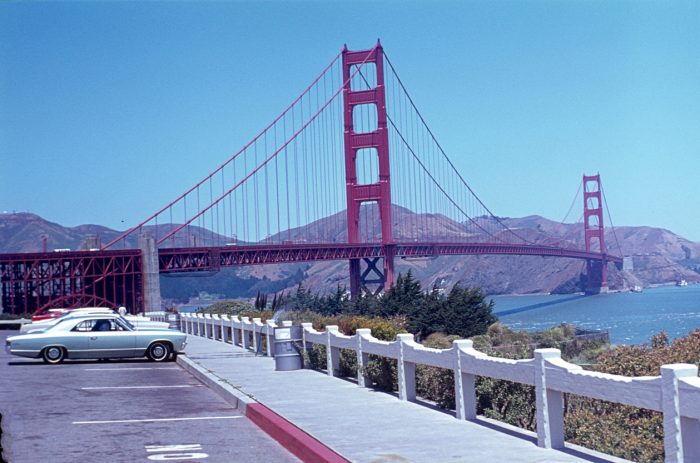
{"points": [[594, 233], [357, 64]]}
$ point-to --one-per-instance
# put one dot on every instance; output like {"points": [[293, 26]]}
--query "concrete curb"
{"points": [[221, 386], [300, 443]]}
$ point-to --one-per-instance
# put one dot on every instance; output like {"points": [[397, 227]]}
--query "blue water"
{"points": [[631, 318]]}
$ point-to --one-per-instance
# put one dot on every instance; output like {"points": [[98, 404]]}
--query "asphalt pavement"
{"points": [[121, 411]]}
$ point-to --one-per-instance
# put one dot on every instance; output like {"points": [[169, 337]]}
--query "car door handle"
{"points": [[93, 338]]}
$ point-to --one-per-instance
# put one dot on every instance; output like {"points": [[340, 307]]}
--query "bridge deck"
{"points": [[368, 426]]}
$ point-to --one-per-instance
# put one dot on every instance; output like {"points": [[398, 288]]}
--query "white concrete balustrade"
{"points": [[242, 331], [676, 393]]}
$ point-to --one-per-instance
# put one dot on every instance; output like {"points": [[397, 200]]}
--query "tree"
{"points": [[464, 312], [260, 301], [403, 298]]}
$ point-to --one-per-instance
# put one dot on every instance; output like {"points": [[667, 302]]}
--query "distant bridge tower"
{"points": [[373, 143], [597, 281]]}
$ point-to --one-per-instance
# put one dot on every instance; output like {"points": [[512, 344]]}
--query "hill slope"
{"points": [[659, 256]]}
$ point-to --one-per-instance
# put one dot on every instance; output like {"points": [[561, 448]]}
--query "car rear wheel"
{"points": [[159, 351], [53, 354]]}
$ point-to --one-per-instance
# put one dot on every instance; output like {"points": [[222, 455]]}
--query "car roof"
{"points": [[86, 309], [77, 319], [95, 315]]}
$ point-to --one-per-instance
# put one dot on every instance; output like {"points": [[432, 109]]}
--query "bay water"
{"points": [[630, 318]]}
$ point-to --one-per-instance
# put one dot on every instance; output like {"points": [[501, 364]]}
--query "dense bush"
{"points": [[239, 308], [463, 311], [437, 384], [628, 432], [380, 370]]}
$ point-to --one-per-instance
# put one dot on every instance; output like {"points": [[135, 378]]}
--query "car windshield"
{"points": [[126, 323]]}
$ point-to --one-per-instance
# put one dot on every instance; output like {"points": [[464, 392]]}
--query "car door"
{"points": [[76, 340], [113, 342]]}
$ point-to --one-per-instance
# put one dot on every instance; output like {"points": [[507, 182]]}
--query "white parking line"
{"points": [[122, 369], [154, 420], [95, 388]]}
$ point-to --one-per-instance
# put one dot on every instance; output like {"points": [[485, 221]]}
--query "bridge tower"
{"points": [[375, 142], [597, 281]]}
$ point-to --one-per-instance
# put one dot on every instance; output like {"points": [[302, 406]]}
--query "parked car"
{"points": [[48, 314], [139, 322], [96, 336]]}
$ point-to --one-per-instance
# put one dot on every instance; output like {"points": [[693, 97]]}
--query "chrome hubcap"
{"points": [[54, 353], [158, 351]]}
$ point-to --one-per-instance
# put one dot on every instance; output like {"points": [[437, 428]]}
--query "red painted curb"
{"points": [[307, 448]]}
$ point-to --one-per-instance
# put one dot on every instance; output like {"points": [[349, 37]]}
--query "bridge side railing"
{"points": [[675, 393]]}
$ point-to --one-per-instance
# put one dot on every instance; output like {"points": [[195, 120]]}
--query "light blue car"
{"points": [[96, 336]]}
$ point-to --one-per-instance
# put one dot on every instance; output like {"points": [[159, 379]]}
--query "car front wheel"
{"points": [[159, 351], [53, 354]]}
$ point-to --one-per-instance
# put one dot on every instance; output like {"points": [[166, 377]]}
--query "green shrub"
{"points": [[383, 373]]}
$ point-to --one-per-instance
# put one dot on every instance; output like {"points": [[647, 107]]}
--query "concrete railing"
{"points": [[676, 393], [157, 316], [242, 331]]}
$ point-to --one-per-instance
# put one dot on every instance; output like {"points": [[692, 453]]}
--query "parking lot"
{"points": [[120, 411]]}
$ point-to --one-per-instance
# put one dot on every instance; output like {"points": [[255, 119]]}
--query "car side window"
{"points": [[83, 326]]}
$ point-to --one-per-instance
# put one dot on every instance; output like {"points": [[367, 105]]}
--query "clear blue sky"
{"points": [[108, 110]]}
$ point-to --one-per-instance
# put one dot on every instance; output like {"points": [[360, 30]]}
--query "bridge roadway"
{"points": [[212, 258], [364, 425]]}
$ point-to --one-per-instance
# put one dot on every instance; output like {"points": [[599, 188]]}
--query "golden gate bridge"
{"points": [[280, 199]]}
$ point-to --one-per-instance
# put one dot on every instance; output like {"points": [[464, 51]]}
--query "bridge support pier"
{"points": [[151, 274], [596, 277], [372, 275]]}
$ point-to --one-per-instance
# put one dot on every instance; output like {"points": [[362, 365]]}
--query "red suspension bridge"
{"points": [[279, 199]]}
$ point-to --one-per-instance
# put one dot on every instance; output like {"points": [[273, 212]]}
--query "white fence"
{"points": [[676, 393], [244, 332]]}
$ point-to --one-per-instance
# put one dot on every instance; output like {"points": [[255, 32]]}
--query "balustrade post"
{"points": [[307, 346], [269, 333], [332, 353], [207, 325], [363, 380], [215, 322], [245, 339], [235, 330], [465, 383], [406, 370], [550, 403], [225, 322], [257, 334], [681, 434]]}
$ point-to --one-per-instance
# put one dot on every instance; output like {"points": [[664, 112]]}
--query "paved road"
{"points": [[120, 411]]}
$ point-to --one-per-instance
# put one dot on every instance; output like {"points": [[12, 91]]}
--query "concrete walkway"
{"points": [[364, 425]]}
